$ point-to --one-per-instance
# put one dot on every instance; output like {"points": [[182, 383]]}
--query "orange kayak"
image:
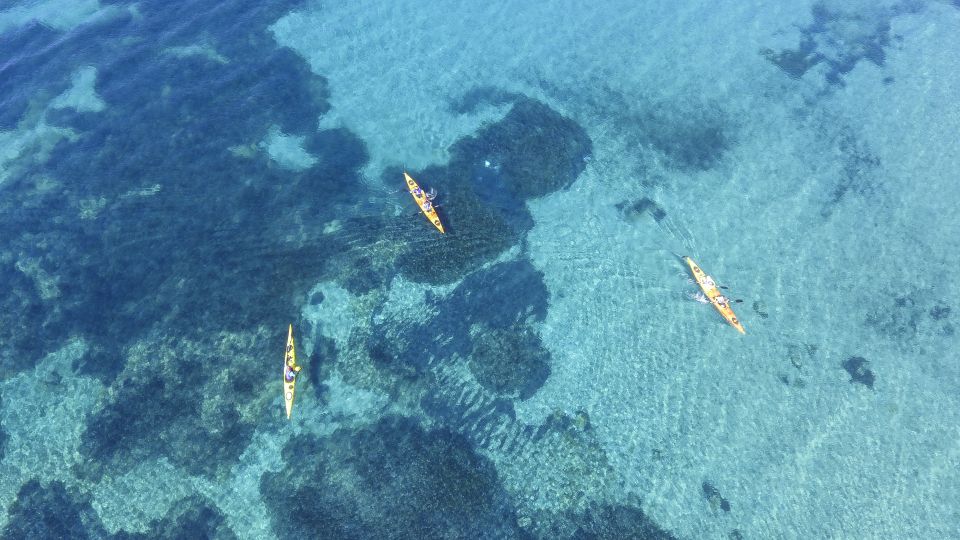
{"points": [[423, 202], [712, 292]]}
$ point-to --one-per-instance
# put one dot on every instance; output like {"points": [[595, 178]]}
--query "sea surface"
{"points": [[182, 180]]}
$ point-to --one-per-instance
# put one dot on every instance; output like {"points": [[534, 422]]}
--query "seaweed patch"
{"points": [[412, 483], [177, 222], [616, 521], [633, 210], [503, 298], [52, 511], [475, 98], [858, 369], [713, 496], [839, 40], [512, 362], [192, 517], [859, 172], [531, 152], [910, 315], [168, 403]]}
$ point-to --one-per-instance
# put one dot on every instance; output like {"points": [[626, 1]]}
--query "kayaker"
{"points": [[427, 206], [721, 300], [709, 283], [292, 370], [417, 192]]}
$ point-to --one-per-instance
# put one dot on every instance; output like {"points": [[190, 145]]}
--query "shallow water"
{"points": [[180, 181]]}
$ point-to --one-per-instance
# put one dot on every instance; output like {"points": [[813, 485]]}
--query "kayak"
{"points": [[423, 202], [712, 292], [290, 371]]}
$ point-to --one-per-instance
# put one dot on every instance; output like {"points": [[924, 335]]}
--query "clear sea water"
{"points": [[179, 181]]}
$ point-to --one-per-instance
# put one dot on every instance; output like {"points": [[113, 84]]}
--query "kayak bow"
{"points": [[423, 202], [712, 292], [290, 371]]}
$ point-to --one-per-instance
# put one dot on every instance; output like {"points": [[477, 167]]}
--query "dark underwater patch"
{"points": [[322, 359], [489, 303], [939, 312], [51, 511], [209, 247], [38, 61], [692, 143], [3, 435], [174, 405], [911, 314], [21, 308], [840, 40], [512, 362], [393, 479], [477, 97], [633, 210], [713, 496], [531, 152], [194, 517], [615, 522], [538, 150], [857, 367], [858, 174]]}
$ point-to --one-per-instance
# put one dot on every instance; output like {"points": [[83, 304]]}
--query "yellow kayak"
{"points": [[423, 202], [290, 371], [712, 292]]}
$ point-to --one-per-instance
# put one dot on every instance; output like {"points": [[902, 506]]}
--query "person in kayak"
{"points": [[709, 283], [417, 192], [291, 372], [292, 367], [427, 206], [721, 301]]}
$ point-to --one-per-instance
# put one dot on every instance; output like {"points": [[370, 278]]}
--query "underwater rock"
{"points": [[795, 62], [504, 296], [856, 366], [193, 517], [476, 233], [474, 98], [616, 522], [364, 275], [712, 495], [189, 254], [645, 205], [43, 60], [392, 479], [512, 363], [51, 511], [795, 380], [859, 172], [340, 150], [167, 404], [538, 150], [322, 359], [499, 297], [840, 40], [760, 309], [939, 312], [911, 315], [3, 434]]}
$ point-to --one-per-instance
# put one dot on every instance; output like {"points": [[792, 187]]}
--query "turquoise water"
{"points": [[181, 181]]}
